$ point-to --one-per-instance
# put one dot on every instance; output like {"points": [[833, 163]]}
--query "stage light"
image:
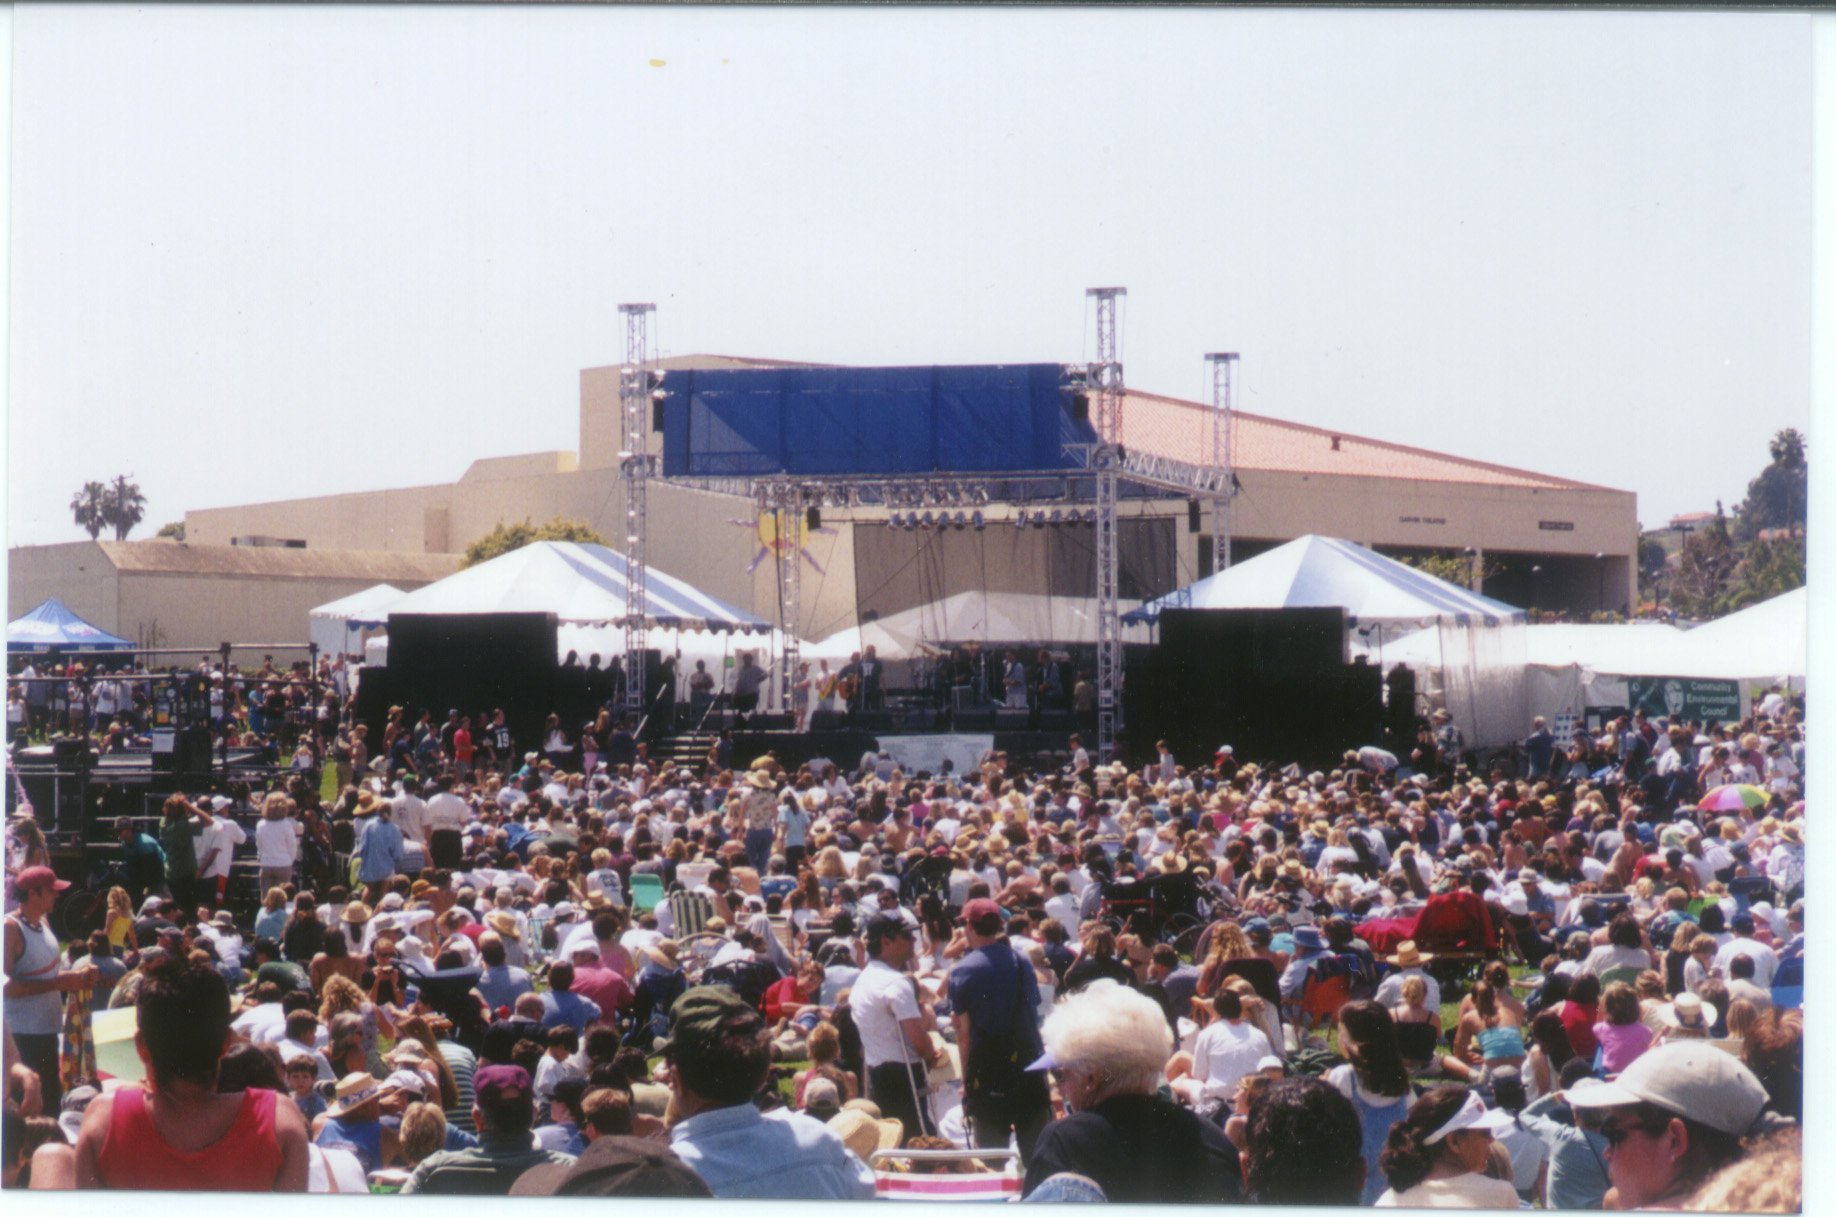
{"points": [[961, 520], [1039, 519], [1058, 517], [977, 520], [1020, 519], [925, 521]]}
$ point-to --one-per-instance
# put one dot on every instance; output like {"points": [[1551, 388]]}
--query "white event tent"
{"points": [[993, 618], [1572, 666], [339, 627], [1479, 642], [587, 588]]}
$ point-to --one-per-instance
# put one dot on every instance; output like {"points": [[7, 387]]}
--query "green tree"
{"points": [[1705, 569], [87, 507], [1779, 496], [123, 507], [174, 530], [507, 537], [1768, 568], [1448, 566]]}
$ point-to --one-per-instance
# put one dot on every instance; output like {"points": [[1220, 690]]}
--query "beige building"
{"points": [[1542, 540], [173, 594]]}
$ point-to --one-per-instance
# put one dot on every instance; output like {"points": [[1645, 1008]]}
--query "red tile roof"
{"points": [[1181, 430]]}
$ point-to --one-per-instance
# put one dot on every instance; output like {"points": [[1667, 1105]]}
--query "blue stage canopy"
{"points": [[812, 422]]}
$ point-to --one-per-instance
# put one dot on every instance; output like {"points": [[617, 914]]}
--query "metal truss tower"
{"points": [[636, 464], [785, 499], [1105, 380], [1223, 427]]}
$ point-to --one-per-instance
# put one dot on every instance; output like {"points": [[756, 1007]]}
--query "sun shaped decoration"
{"points": [[781, 533]]}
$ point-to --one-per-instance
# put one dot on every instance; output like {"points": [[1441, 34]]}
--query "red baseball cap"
{"points": [[982, 910], [39, 876]]}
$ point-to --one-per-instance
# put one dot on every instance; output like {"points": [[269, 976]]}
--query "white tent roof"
{"points": [[1324, 572], [1608, 648], [360, 605], [994, 617], [1765, 642], [581, 584]]}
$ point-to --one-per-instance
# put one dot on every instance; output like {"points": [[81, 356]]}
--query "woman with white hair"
{"points": [[1106, 1048]]}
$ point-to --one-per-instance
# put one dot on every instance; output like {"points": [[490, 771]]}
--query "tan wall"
{"points": [[599, 418], [391, 520], [77, 573], [205, 610]]}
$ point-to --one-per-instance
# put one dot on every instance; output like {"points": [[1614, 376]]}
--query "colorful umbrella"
{"points": [[1733, 797]]}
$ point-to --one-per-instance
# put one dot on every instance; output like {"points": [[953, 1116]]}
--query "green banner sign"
{"points": [[1676, 697]]}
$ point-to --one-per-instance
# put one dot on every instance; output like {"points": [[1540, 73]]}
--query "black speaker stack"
{"points": [[1272, 683]]}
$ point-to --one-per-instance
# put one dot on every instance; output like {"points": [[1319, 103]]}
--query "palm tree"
{"points": [[89, 506], [124, 507]]}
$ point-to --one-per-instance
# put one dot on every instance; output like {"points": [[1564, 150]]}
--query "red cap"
{"points": [[981, 910], [39, 876]]}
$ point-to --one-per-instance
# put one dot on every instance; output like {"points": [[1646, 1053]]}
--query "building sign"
{"points": [[1421, 519], [1556, 525], [1679, 698]]}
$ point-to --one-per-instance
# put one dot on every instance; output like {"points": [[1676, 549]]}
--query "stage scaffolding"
{"points": [[1094, 483]]}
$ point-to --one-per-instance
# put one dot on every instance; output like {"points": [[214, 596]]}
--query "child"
{"points": [[563, 1042], [1623, 1035], [120, 924], [302, 1077]]}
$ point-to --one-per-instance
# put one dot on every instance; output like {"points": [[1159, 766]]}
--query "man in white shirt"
{"points": [[1063, 906], [217, 848], [410, 814], [447, 817], [895, 1040], [1765, 959], [1227, 1051], [277, 842], [1409, 961]]}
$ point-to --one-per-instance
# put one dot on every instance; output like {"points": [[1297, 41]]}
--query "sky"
{"points": [[262, 253]]}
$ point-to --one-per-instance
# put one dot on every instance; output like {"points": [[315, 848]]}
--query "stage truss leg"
{"points": [[1223, 377], [1106, 379], [635, 467], [787, 500]]}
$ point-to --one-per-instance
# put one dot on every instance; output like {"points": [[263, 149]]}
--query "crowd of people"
{"points": [[477, 973]]}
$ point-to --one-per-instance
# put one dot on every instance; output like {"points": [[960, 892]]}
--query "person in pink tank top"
{"points": [[178, 1133]]}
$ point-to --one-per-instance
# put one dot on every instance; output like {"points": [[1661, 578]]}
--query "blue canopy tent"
{"points": [[52, 625]]}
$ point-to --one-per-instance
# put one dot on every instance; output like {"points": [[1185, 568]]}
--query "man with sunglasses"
{"points": [[895, 1035], [1672, 1119]]}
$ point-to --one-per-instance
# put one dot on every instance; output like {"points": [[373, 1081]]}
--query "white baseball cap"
{"points": [[1693, 1079]]}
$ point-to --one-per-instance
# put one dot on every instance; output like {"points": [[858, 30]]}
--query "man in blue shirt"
{"points": [[719, 1052], [561, 1005], [995, 999], [379, 848]]}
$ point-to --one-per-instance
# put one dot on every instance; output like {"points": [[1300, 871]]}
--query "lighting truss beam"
{"points": [[787, 499]]}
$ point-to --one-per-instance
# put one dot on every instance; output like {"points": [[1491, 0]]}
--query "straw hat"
{"points": [[863, 1134], [366, 803], [662, 953], [504, 924], [761, 779], [354, 1090], [1408, 955], [355, 913]]}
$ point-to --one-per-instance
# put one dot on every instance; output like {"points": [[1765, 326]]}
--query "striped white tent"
{"points": [[1325, 572], [581, 584]]}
